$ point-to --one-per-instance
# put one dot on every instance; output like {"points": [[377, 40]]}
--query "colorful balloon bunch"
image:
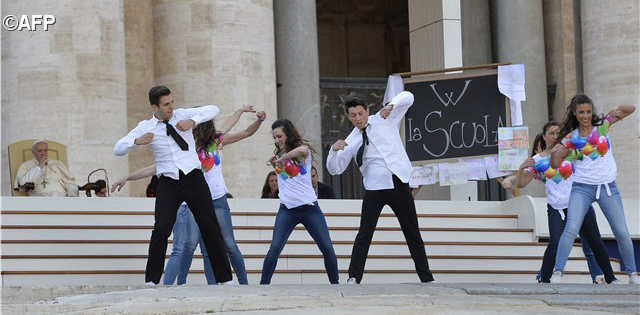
{"points": [[595, 145], [291, 168], [544, 171], [210, 157]]}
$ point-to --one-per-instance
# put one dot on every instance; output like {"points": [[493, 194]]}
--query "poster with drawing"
{"points": [[513, 147], [452, 173]]}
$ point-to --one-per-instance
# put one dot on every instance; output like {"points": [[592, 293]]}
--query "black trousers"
{"points": [[401, 202], [589, 233], [193, 189]]}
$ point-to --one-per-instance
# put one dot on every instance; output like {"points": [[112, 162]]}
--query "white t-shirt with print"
{"points": [[298, 190], [212, 172], [602, 170], [557, 193]]}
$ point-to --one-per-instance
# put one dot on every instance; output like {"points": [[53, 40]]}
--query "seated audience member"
{"points": [[99, 187], [42, 176], [323, 191], [270, 187]]}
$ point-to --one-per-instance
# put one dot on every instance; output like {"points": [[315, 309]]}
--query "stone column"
{"points": [[298, 73], [138, 22], [519, 38], [611, 67], [435, 32], [221, 52], [66, 84], [476, 32], [560, 42]]}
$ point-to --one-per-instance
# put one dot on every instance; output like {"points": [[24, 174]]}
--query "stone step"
{"points": [[287, 262], [260, 247], [256, 218], [136, 277], [265, 233]]}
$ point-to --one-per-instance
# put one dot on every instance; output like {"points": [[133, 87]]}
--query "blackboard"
{"points": [[453, 118]]}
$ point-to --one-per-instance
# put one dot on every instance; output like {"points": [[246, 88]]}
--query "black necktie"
{"points": [[174, 134], [365, 141]]}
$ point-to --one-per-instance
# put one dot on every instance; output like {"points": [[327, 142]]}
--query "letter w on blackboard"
{"points": [[449, 95]]}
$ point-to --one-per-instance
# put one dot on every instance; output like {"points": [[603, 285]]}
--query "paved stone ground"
{"points": [[372, 299]]}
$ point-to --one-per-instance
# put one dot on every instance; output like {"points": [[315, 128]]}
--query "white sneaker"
{"points": [[599, 279], [150, 284], [352, 281], [633, 278], [230, 282], [556, 277], [615, 282]]}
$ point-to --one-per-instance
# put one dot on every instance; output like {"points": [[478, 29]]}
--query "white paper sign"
{"points": [[452, 173], [491, 163], [511, 83], [425, 175], [476, 170]]}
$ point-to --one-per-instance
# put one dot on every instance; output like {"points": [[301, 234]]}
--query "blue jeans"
{"points": [[556, 227], [582, 195], [193, 238], [311, 217], [186, 236]]}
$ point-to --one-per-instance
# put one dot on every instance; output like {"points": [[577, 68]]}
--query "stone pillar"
{"points": [[221, 52], [560, 52], [298, 73], [138, 22], [519, 38], [476, 32], [66, 84], [611, 67], [435, 32]]}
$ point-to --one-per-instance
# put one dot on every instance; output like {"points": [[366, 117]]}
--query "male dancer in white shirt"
{"points": [[376, 145], [180, 179]]}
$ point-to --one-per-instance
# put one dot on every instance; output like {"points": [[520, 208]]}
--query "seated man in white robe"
{"points": [[42, 176]]}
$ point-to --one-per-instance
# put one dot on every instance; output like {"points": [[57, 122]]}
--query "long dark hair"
{"points": [[266, 190], [539, 141], [294, 139], [205, 133], [570, 121]]}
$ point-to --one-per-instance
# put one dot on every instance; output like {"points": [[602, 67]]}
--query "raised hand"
{"points": [[527, 163], [144, 139], [247, 109], [339, 145], [386, 111], [118, 185], [185, 125], [261, 115], [43, 162]]}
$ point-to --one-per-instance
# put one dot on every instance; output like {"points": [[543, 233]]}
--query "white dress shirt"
{"points": [[385, 155], [170, 159]]}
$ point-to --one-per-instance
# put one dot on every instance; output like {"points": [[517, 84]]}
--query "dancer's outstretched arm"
{"points": [[299, 151], [621, 111], [523, 177], [139, 174], [251, 129], [233, 120]]}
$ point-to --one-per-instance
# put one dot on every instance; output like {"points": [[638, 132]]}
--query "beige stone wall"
{"points": [[66, 84], [611, 66], [85, 82], [222, 53]]}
